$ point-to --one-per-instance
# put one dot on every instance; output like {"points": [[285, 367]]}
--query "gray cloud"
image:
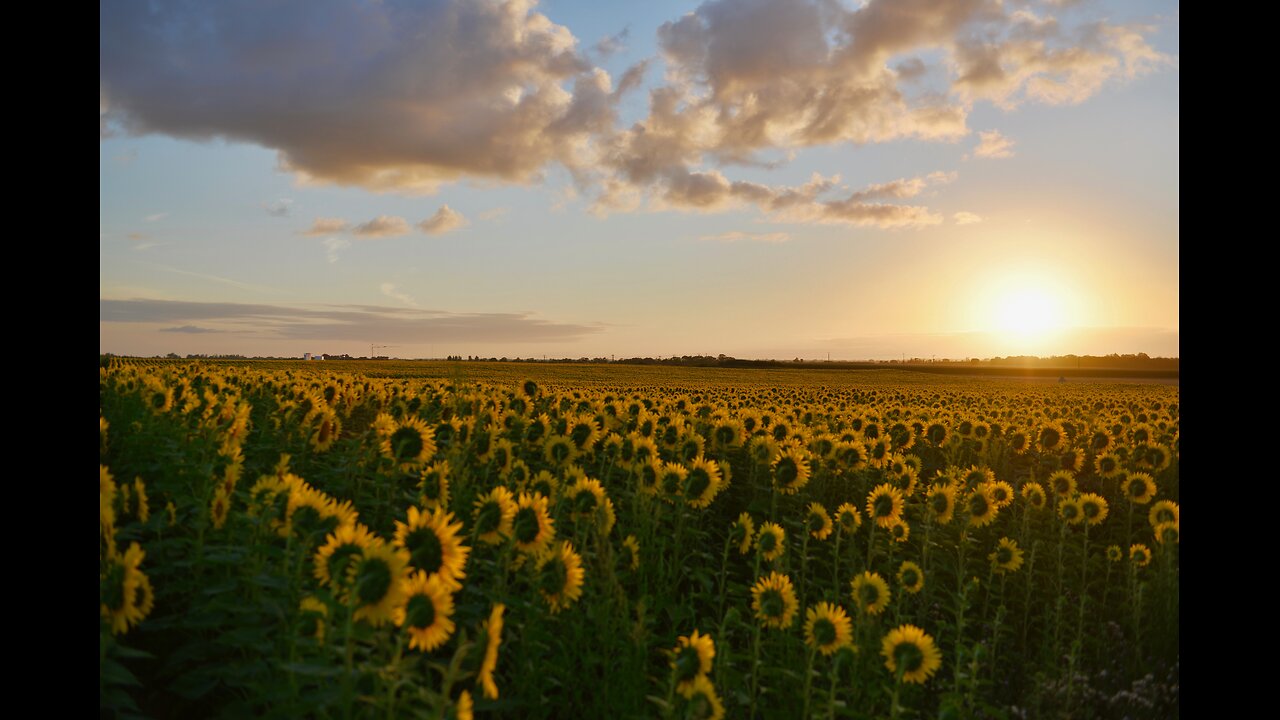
{"points": [[445, 220], [612, 44], [349, 322], [190, 329], [382, 226], [279, 208]]}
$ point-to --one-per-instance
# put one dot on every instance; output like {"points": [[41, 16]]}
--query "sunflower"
{"points": [[941, 502], [702, 482], [335, 557], [849, 455], [377, 582], [819, 522], [878, 451], [691, 659], [937, 433], [771, 541], [884, 505], [632, 548], [980, 507], [411, 442], [742, 532], [432, 541], [703, 703], [140, 491], [1001, 493], [493, 515], [790, 470], [493, 632], [1071, 459], [327, 428], [1108, 464], [1100, 441], [762, 450], [219, 508], [910, 652], [827, 628], [124, 592], [774, 600], [559, 450], [1167, 533], [560, 575], [900, 530], [848, 517], [1019, 441], [433, 485], [870, 593], [1139, 554], [1007, 556], [1114, 553], [671, 480], [311, 609], [106, 502], [532, 525], [910, 577], [977, 475], [1153, 456], [1093, 507], [1139, 488], [1033, 493], [1162, 512], [1062, 483], [1051, 436], [587, 499], [426, 612], [1070, 510], [727, 434]]}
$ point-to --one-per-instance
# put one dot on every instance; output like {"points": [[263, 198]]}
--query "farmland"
{"points": [[449, 540]]}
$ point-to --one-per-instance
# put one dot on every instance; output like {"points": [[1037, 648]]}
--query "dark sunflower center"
{"points": [[373, 580], [1091, 509], [113, 587], [1061, 486], [908, 657], [585, 502], [1069, 511], [936, 433], [1164, 515], [1050, 437], [425, 550], [406, 443], [869, 594], [978, 505], [341, 559], [554, 577], [671, 483], [489, 518], [431, 486], [560, 451], [910, 577], [939, 503], [580, 434], [688, 664], [824, 631], [526, 525], [848, 519], [768, 541], [787, 472], [535, 432], [883, 505], [697, 482], [816, 522], [737, 533], [772, 604], [724, 435], [1004, 556], [158, 400], [420, 612]]}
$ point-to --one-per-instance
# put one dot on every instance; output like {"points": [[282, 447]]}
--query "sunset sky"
{"points": [[760, 178]]}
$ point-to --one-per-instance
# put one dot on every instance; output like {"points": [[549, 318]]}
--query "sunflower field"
{"points": [[394, 539]]}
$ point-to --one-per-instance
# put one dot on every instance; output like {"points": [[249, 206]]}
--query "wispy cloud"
{"points": [[445, 220], [279, 208], [215, 278], [393, 292], [992, 145], [332, 245], [966, 218], [737, 235], [326, 226], [382, 226], [347, 322], [190, 329], [155, 217]]}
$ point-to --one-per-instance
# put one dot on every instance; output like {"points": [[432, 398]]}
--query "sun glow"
{"points": [[1027, 311]]}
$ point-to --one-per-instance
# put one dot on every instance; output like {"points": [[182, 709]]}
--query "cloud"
{"points": [[966, 218], [215, 278], [445, 220], [155, 217], [331, 247], [327, 226], [192, 329], [348, 322], [382, 226], [611, 44], [391, 291], [736, 235], [279, 208], [993, 145]]}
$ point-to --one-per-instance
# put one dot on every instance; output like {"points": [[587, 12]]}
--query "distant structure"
{"points": [[306, 356]]}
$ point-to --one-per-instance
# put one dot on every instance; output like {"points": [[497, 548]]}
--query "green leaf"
{"points": [[113, 673]]}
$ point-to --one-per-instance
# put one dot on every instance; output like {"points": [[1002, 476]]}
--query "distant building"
{"points": [[306, 356]]}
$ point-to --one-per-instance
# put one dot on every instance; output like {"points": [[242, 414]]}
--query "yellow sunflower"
{"points": [[980, 508], [335, 557], [1167, 533], [702, 482], [909, 651], [1162, 512], [433, 485], [1070, 511], [1108, 464], [1007, 557], [703, 703], [1114, 553], [1139, 488], [1001, 493], [1033, 493], [327, 428], [884, 505], [771, 541], [691, 659], [426, 612], [493, 633], [819, 522], [848, 517], [743, 532], [941, 502], [900, 531], [124, 591], [434, 546], [411, 442], [790, 470], [1063, 483], [910, 577], [377, 582], [1051, 436], [1139, 554], [1093, 507], [493, 515], [631, 546], [870, 593], [560, 575], [774, 600], [827, 628]]}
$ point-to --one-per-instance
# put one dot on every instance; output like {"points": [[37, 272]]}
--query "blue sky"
{"points": [[950, 179]]}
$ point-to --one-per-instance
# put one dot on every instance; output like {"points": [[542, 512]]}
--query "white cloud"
{"points": [[332, 245], [966, 218], [992, 145], [326, 226], [381, 227], [155, 217], [392, 291], [445, 220]]}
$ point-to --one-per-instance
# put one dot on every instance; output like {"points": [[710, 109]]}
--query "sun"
{"points": [[1028, 310]]}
